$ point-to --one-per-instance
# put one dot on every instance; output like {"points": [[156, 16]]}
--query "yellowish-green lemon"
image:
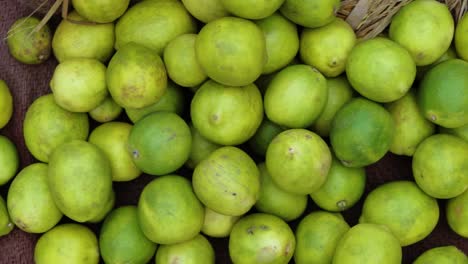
{"points": [[425, 28], [261, 238], [181, 63], [276, 201], [121, 239], [170, 199], [153, 24], [411, 127], [327, 48], [342, 189], [83, 40], [457, 213], [79, 85], [30, 202], [368, 243], [298, 161], [439, 166], [282, 41], [101, 11], [317, 235], [9, 158], [112, 139], [26, 45], [404, 208], [227, 181], [231, 50], [197, 250], [442, 255], [6, 104], [310, 13], [339, 93], [67, 243], [46, 125], [288, 97], [461, 39], [217, 224], [380, 69]]}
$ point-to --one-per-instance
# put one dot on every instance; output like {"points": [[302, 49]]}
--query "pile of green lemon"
{"points": [[270, 105]]}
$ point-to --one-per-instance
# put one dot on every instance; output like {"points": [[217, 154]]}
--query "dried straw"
{"points": [[369, 18]]}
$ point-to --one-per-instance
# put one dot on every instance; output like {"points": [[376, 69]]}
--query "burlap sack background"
{"points": [[28, 82]]}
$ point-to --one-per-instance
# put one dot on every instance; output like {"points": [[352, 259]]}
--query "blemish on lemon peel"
{"points": [[135, 154], [342, 204]]}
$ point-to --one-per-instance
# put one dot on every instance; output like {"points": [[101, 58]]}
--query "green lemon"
{"points": [[121, 239], [273, 200], [201, 148], [79, 179], [339, 93], [282, 41], [9, 158], [67, 243], [265, 133], [170, 199], [310, 13], [461, 132], [457, 213], [136, 76], [160, 143], [226, 115], [298, 161], [342, 189], [317, 235], [439, 166], [252, 9], [112, 139], [411, 127], [380, 69], [106, 111], [227, 181], [443, 96], [101, 11], [105, 210], [206, 10], [6, 104], [261, 238], [406, 210], [442, 255], [79, 85], [153, 24], [368, 243], [5, 223], [361, 132], [46, 126], [194, 251], [461, 39], [216, 224], [83, 40], [289, 96], [30, 202], [181, 63], [231, 51], [173, 100], [327, 48]]}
